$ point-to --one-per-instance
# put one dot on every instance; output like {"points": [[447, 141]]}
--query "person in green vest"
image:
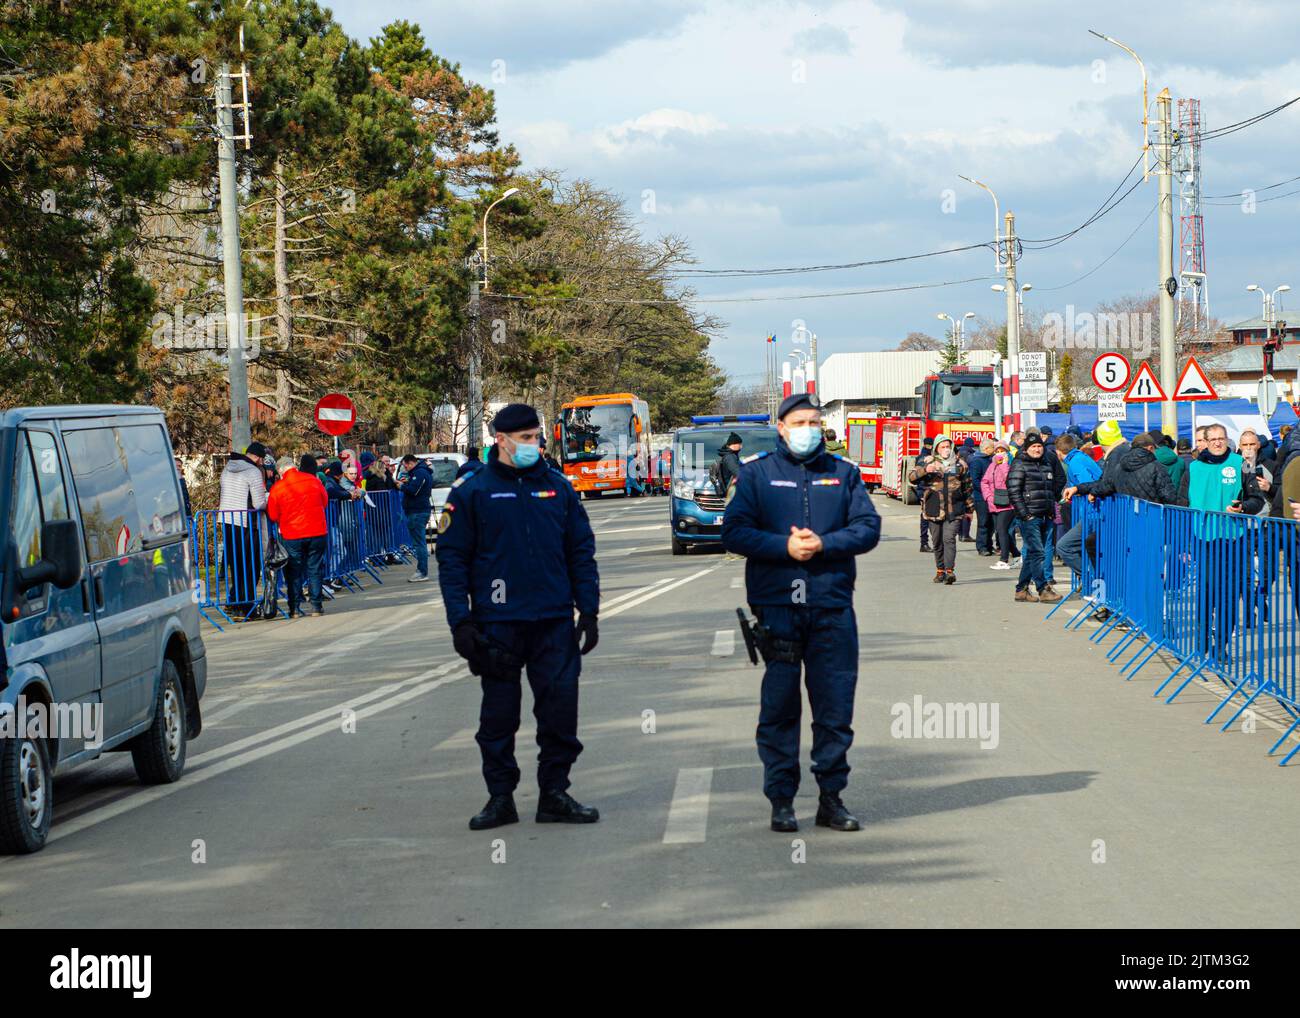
{"points": [[1217, 485], [1167, 454]]}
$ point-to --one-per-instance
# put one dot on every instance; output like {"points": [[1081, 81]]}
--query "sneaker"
{"points": [[949, 577], [938, 576], [1048, 596], [1000, 565], [1027, 596], [317, 609], [417, 577]]}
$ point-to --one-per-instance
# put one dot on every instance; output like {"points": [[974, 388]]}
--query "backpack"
{"points": [[715, 476]]}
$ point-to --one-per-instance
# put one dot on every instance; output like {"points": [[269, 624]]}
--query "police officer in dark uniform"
{"points": [[800, 516], [515, 556]]}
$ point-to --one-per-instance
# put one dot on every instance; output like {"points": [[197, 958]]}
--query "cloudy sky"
{"points": [[776, 133]]}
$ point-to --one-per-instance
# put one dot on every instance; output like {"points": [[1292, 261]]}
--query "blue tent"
{"points": [[1085, 416]]}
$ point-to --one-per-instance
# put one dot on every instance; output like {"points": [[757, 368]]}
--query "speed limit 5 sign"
{"points": [[1110, 372]]}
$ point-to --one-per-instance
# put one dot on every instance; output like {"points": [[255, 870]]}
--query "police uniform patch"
{"points": [[444, 519], [461, 480], [827, 480], [544, 494]]}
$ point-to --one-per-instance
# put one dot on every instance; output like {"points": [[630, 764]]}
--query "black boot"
{"points": [[925, 546], [499, 811], [562, 808], [831, 813], [783, 815]]}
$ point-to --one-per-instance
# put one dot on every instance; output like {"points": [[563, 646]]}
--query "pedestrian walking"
{"points": [[801, 516], [297, 507], [978, 465], [417, 493], [927, 447], [516, 557], [946, 500], [1035, 482], [993, 485]]}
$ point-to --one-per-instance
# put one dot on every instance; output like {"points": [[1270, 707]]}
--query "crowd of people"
{"points": [[295, 496], [1016, 495]]}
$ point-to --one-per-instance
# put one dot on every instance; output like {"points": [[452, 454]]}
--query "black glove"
{"points": [[467, 640], [588, 631]]}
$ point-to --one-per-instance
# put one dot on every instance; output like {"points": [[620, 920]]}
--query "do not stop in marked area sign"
{"points": [[335, 414]]}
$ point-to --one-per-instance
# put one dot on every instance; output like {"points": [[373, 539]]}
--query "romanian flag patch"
{"points": [[827, 480], [544, 494]]}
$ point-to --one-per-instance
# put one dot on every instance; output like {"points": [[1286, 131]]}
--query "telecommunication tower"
{"points": [[1193, 292]]}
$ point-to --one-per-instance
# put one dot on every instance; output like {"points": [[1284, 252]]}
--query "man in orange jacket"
{"points": [[297, 506]]}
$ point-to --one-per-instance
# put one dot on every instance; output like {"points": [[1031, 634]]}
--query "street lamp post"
{"points": [[474, 398], [1269, 301]]}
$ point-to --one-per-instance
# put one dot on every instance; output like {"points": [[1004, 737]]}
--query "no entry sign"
{"points": [[335, 414]]}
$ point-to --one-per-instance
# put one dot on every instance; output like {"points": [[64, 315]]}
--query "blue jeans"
{"points": [[416, 525], [1071, 548], [1033, 535], [306, 562], [1049, 536], [829, 637]]}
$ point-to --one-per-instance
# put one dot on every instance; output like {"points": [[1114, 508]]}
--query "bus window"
{"points": [[593, 433]]}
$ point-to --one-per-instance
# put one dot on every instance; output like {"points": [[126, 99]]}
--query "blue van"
{"points": [[696, 506], [101, 647]]}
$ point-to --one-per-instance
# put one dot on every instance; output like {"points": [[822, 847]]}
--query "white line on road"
{"points": [[688, 816], [724, 643], [630, 530], [655, 593], [607, 604], [737, 582]]}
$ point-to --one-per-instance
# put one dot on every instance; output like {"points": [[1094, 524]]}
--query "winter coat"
{"points": [[1246, 492], [297, 506], [242, 488], [1109, 469], [979, 464], [943, 496], [1035, 485], [1080, 468], [1140, 475], [1287, 452], [993, 481], [728, 466], [1171, 462]]}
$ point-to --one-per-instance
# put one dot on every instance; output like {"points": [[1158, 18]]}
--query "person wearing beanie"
{"points": [[375, 475], [1035, 482], [516, 559], [801, 516], [243, 496], [728, 463], [947, 499]]}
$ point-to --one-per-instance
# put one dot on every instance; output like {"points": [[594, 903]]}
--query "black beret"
{"points": [[515, 417], [799, 401]]}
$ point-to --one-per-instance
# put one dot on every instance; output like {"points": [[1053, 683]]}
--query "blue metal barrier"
{"points": [[229, 557], [1219, 592]]}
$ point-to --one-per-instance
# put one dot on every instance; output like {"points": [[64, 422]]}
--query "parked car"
{"points": [[100, 627]]}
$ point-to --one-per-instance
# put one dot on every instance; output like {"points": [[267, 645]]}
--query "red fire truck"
{"points": [[957, 402]]}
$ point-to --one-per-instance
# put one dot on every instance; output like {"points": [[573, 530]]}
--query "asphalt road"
{"points": [[300, 823]]}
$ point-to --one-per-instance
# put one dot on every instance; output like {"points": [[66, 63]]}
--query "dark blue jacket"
{"points": [[515, 545], [469, 467], [824, 493], [417, 489], [333, 489], [978, 464]]}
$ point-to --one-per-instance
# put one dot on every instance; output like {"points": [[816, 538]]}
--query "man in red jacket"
{"points": [[297, 506]]}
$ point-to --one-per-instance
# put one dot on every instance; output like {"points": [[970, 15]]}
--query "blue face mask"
{"points": [[802, 441], [526, 454]]}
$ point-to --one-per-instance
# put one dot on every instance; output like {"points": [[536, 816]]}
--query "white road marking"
{"points": [[241, 704], [630, 530], [656, 592], [724, 643], [153, 794], [737, 582], [604, 604], [688, 816]]}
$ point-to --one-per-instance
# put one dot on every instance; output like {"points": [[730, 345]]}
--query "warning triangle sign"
{"points": [[1193, 384], [1145, 388]]}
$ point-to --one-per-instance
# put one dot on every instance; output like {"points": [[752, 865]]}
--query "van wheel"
{"points": [[27, 796], [159, 753], [679, 547]]}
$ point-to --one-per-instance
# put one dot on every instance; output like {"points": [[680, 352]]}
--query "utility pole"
{"points": [[240, 432], [1168, 281], [1013, 321], [813, 373], [474, 409]]}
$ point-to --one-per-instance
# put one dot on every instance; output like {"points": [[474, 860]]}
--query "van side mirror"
{"points": [[60, 563]]}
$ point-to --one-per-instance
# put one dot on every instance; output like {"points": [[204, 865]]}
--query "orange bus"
{"points": [[603, 443]]}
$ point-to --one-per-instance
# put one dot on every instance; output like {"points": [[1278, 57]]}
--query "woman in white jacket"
{"points": [[243, 497]]}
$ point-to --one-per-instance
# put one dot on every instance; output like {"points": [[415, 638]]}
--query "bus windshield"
{"points": [[594, 433], [961, 401]]}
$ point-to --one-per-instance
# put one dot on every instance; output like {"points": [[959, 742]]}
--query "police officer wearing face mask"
{"points": [[800, 516], [516, 555]]}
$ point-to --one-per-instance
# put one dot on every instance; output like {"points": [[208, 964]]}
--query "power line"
{"points": [[1256, 190], [1262, 201], [740, 300], [1240, 125], [732, 273], [1050, 289], [1105, 207]]}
